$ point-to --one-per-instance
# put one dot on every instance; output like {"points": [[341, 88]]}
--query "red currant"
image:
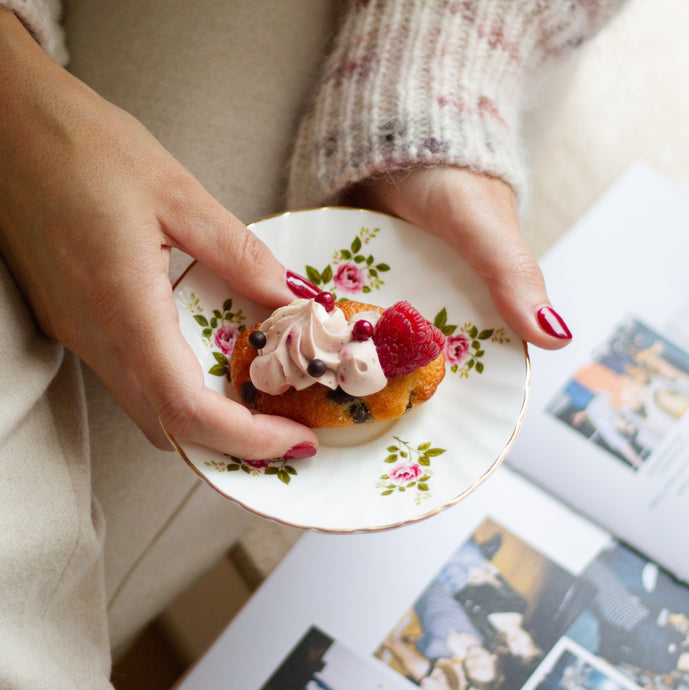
{"points": [[362, 330], [326, 300]]}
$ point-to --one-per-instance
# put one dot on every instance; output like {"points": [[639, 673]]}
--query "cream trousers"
{"points": [[100, 530]]}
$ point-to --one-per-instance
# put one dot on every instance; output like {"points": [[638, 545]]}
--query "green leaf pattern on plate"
{"points": [[465, 345], [220, 331], [353, 269], [278, 468], [411, 469]]}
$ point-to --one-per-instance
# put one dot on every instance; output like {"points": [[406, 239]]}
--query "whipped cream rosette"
{"points": [[303, 333]]}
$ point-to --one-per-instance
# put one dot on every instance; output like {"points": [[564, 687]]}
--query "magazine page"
{"points": [[606, 428], [509, 589], [319, 662], [353, 596], [502, 615]]}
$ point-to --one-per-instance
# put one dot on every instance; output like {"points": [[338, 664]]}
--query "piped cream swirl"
{"points": [[302, 331]]}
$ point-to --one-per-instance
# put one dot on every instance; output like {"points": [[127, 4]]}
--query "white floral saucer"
{"points": [[382, 475]]}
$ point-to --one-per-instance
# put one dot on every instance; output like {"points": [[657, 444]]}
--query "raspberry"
{"points": [[405, 341]]}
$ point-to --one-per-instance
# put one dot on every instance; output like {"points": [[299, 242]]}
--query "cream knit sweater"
{"points": [[432, 82], [41, 18], [414, 83]]}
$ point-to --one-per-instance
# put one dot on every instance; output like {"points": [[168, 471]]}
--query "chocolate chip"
{"points": [[249, 392]]}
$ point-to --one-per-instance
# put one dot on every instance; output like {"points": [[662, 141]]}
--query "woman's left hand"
{"points": [[477, 215]]}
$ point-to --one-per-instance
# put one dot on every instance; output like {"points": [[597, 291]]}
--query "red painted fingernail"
{"points": [[300, 286], [552, 323], [301, 450]]}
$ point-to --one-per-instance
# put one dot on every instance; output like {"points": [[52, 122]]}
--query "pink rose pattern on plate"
{"points": [[353, 271], [225, 338], [349, 278], [411, 469], [279, 468], [464, 348], [220, 331]]}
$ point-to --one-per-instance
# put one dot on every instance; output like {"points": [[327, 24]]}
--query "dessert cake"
{"points": [[331, 364]]}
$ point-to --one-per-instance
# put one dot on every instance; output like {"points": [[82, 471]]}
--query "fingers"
{"points": [[119, 379], [227, 426], [199, 225], [169, 377], [478, 216], [168, 387], [489, 239], [188, 411]]}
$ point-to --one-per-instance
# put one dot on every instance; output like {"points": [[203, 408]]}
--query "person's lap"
{"points": [[52, 531]]}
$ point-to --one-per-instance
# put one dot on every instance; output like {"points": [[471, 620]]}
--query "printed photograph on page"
{"points": [[631, 397], [500, 615]]}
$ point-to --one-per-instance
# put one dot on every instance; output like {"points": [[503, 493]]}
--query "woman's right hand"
{"points": [[90, 206]]}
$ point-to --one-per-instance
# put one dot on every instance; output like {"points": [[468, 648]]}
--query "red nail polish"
{"points": [[301, 450], [300, 286], [552, 323]]}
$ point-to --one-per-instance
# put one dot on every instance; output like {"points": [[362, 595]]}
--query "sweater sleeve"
{"points": [[41, 18], [431, 82]]}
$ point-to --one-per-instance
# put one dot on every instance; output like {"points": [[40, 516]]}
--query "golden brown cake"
{"points": [[319, 360]]}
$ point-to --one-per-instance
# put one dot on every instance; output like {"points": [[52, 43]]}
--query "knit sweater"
{"points": [[41, 18], [414, 83], [432, 82]]}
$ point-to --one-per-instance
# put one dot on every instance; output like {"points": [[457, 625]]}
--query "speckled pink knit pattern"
{"points": [[41, 18], [431, 82]]}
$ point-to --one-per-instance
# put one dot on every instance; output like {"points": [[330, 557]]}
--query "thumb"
{"points": [[517, 287], [488, 237], [478, 216]]}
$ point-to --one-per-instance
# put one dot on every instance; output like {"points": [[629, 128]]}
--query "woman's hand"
{"points": [[477, 215], [90, 205]]}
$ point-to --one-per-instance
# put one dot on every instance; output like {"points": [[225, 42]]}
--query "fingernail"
{"points": [[301, 450], [300, 286], [552, 323]]}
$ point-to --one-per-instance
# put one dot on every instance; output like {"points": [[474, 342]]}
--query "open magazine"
{"points": [[546, 576], [606, 429]]}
